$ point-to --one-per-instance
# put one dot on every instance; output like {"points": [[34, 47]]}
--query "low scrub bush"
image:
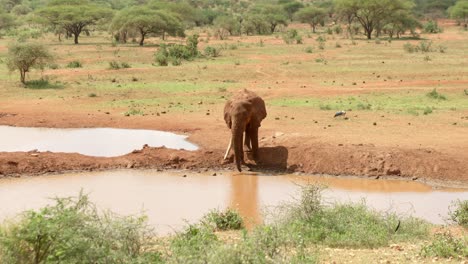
{"points": [[74, 64], [427, 110], [133, 111], [423, 46], [73, 231], [42, 84], [432, 27], [176, 53], [309, 50], [447, 246], [459, 213], [345, 225], [436, 95], [223, 220], [292, 36], [212, 52], [114, 65]]}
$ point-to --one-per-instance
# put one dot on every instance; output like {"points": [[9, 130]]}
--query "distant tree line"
{"points": [[139, 19]]}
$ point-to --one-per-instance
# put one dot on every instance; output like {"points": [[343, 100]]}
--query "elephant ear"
{"points": [[227, 114]]}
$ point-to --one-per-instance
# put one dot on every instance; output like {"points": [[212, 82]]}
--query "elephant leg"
{"points": [[228, 149], [247, 139], [253, 131]]}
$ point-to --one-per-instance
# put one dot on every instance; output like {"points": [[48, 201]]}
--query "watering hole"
{"points": [[98, 142], [170, 199]]}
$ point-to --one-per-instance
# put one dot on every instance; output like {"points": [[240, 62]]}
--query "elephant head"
{"points": [[243, 113]]}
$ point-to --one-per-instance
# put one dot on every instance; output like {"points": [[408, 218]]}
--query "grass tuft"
{"points": [[42, 84], [447, 246], [223, 220]]}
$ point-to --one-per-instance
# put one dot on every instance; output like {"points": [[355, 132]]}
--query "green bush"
{"points": [[436, 95], [427, 110], [212, 51], [161, 56], [447, 246], [73, 231], [74, 64], [223, 220], [292, 36], [344, 225], [309, 50], [337, 29], [42, 84], [425, 46], [432, 27], [459, 213], [193, 245], [410, 48], [114, 65]]}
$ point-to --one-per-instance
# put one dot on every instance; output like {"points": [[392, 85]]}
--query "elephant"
{"points": [[244, 112]]}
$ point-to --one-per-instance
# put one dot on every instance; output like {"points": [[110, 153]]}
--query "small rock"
{"points": [[130, 165], [214, 174], [375, 123], [414, 178], [34, 154], [184, 176]]}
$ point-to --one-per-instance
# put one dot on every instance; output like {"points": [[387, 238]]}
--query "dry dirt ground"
{"points": [[374, 143]]}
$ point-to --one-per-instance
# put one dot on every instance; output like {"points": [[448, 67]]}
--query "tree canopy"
{"points": [[147, 21], [312, 15], [73, 16], [460, 11], [371, 13], [24, 56]]}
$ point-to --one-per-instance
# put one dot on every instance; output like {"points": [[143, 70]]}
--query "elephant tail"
{"points": [[237, 133]]}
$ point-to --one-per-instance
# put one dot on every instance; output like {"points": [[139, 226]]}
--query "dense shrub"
{"points": [[73, 231], [74, 64], [436, 95], [176, 53], [432, 27], [212, 51], [459, 213], [292, 36], [223, 220]]}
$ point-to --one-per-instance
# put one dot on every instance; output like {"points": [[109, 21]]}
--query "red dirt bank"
{"points": [[283, 152]]}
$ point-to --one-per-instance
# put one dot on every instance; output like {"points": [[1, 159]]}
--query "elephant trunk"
{"points": [[237, 131]]}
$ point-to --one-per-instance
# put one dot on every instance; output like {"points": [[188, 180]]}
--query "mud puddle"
{"points": [[170, 199], [98, 142]]}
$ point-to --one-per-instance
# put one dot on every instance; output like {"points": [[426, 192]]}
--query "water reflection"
{"points": [[169, 199]]}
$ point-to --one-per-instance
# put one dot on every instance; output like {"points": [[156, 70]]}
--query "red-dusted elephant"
{"points": [[243, 113]]}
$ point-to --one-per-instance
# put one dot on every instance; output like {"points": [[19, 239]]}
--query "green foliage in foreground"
{"points": [[73, 231], [228, 219], [459, 213], [447, 246]]}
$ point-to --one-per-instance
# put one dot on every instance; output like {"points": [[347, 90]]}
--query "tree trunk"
{"points": [[313, 28], [23, 76], [142, 40], [237, 134], [76, 37], [368, 33]]}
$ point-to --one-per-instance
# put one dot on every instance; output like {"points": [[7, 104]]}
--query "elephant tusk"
{"points": [[228, 149]]}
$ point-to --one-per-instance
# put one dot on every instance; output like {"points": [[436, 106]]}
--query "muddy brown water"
{"points": [[170, 199], [98, 142]]}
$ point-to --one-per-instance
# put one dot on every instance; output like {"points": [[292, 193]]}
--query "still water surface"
{"points": [[98, 142], [169, 199]]}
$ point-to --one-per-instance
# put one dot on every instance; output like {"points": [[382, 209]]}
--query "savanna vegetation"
{"points": [[72, 230]]}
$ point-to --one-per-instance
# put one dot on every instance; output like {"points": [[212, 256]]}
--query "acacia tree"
{"points": [[371, 13], [24, 56], [73, 16], [272, 15], [460, 11], [312, 15], [291, 7], [400, 22], [147, 21]]}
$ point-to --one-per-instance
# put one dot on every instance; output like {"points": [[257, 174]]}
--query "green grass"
{"points": [[403, 103], [42, 85]]}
